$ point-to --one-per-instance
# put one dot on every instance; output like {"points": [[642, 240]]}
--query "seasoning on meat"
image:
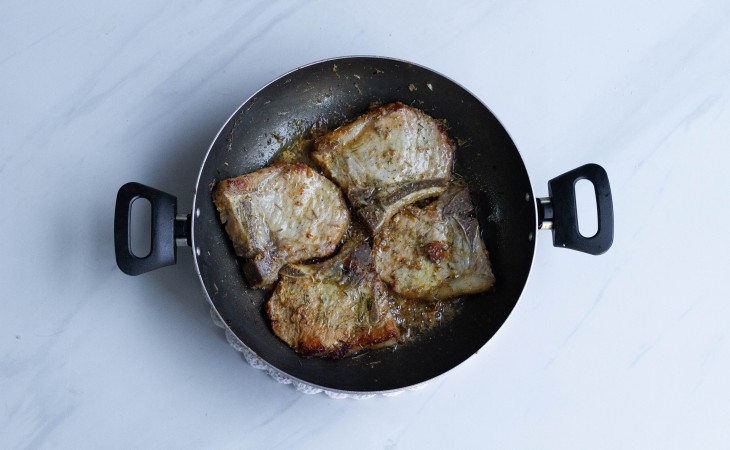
{"points": [[364, 297], [435, 252], [387, 158], [281, 214], [336, 307]]}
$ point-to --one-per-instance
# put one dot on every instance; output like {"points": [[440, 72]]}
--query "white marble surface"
{"points": [[627, 350]]}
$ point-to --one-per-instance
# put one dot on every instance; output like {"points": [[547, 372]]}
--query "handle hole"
{"points": [[587, 208], [140, 227]]}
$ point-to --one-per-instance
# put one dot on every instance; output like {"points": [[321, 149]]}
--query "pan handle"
{"points": [[168, 229], [560, 213]]}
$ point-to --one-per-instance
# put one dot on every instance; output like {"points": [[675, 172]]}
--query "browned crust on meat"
{"points": [[436, 251], [311, 345], [334, 308], [250, 181], [294, 326]]}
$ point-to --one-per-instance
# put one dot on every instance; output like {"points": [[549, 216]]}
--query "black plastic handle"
{"points": [[164, 210], [561, 209]]}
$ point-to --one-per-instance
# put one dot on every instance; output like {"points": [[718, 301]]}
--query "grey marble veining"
{"points": [[626, 350]]}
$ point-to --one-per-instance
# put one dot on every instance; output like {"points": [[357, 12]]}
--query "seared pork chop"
{"points": [[336, 307], [435, 252], [281, 214], [389, 157]]}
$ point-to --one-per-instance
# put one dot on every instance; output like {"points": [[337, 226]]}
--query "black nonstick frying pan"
{"points": [[330, 93]]}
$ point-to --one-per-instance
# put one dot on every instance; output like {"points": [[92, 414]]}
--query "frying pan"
{"points": [[327, 94]]}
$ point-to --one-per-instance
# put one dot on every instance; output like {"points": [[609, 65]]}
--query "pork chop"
{"points": [[336, 307], [281, 214], [389, 157], [435, 252]]}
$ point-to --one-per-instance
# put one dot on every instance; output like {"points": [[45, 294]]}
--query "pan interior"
{"points": [[332, 93]]}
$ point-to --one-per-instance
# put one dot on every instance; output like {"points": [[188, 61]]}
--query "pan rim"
{"points": [[194, 217]]}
